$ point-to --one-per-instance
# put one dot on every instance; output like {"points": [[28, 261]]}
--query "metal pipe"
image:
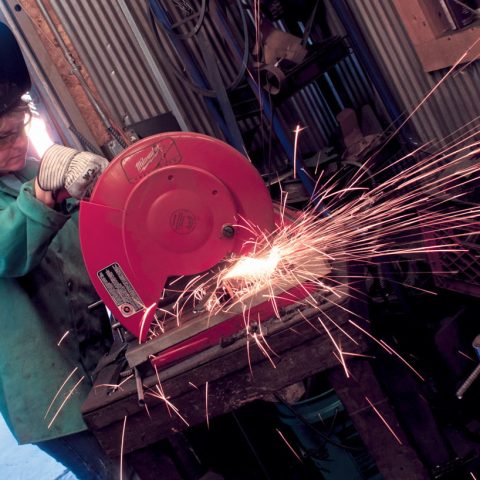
{"points": [[474, 375], [95, 304], [468, 382]]}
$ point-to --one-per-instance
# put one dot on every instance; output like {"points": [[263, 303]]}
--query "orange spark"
{"points": [[352, 354], [70, 393], [390, 429], [114, 386], [466, 356], [63, 338], [144, 319], [158, 392], [59, 390], [388, 347], [122, 445], [295, 147], [340, 354], [258, 340], [206, 405], [288, 445]]}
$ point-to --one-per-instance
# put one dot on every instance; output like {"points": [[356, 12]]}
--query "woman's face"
{"points": [[13, 141]]}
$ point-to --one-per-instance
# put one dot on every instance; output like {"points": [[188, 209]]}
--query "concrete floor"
{"points": [[27, 462]]}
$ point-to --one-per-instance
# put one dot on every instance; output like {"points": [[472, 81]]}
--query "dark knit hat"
{"points": [[14, 77]]}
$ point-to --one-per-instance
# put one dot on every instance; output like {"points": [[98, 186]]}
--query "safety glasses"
{"points": [[10, 136]]}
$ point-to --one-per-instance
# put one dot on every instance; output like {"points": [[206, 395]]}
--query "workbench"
{"points": [[298, 347], [228, 376]]}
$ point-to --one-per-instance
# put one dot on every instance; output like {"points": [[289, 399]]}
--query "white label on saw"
{"points": [[120, 290]]}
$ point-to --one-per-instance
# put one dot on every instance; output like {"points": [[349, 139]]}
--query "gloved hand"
{"points": [[64, 167]]}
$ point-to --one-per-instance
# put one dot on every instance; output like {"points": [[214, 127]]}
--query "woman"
{"points": [[49, 341]]}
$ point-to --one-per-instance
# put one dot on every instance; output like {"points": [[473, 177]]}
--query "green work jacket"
{"points": [[44, 293]]}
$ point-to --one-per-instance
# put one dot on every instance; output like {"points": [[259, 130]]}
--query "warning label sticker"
{"points": [[120, 289]]}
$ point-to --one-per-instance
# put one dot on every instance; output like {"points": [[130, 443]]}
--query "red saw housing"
{"points": [[172, 204]]}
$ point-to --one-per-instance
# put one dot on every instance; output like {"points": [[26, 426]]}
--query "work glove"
{"points": [[76, 172]]}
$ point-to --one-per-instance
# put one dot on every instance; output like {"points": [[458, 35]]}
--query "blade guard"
{"points": [[172, 204]]}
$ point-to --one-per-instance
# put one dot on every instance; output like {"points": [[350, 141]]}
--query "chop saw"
{"points": [[170, 208]]}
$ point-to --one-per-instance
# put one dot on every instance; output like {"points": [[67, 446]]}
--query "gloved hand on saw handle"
{"points": [[66, 169]]}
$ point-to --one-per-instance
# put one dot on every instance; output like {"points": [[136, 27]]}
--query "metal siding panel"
{"points": [[393, 53], [103, 40], [316, 113], [119, 69], [191, 103], [307, 107]]}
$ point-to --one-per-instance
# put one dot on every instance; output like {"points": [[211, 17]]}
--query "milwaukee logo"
{"points": [[146, 159], [144, 162]]}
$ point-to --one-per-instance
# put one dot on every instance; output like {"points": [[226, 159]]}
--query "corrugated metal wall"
{"points": [[118, 64], [121, 71], [457, 101]]}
